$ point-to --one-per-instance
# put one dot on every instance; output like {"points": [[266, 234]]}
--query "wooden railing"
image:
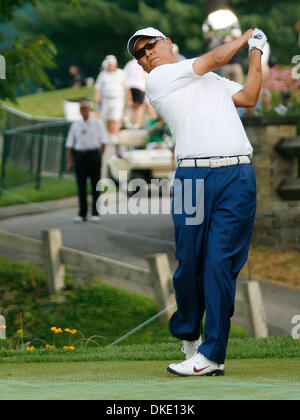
{"points": [[155, 281]]}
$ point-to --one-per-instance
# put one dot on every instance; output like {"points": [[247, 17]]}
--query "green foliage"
{"points": [[7, 8], [100, 27], [82, 36], [95, 309], [85, 31], [21, 286], [277, 21], [26, 60], [28, 57]]}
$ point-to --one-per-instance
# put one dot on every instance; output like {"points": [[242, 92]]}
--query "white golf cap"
{"points": [[143, 33], [110, 59]]}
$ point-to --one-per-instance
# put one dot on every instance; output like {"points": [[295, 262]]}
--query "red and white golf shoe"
{"points": [[197, 365]]}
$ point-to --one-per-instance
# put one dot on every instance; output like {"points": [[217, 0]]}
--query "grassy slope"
{"points": [[50, 189], [50, 103]]}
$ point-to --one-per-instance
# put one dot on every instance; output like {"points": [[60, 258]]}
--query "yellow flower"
{"points": [[68, 347], [56, 330], [71, 331], [20, 332], [30, 348], [48, 346]]}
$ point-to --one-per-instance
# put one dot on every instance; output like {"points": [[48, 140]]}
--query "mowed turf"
{"points": [[250, 379]]}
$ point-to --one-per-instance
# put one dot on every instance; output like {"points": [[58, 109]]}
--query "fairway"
{"points": [[138, 380]]}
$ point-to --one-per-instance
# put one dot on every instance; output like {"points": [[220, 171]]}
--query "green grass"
{"points": [[49, 104], [275, 347], [252, 379], [16, 175], [50, 189]]}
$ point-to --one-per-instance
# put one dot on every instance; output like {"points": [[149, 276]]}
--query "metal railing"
{"points": [[13, 118], [29, 152]]}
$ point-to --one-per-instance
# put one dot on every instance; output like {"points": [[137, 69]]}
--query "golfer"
{"points": [[214, 154]]}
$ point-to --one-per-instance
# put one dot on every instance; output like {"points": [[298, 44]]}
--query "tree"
{"points": [[276, 19], [27, 56], [82, 36], [100, 27]]}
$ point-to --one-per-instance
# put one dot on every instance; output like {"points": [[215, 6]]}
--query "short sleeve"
{"points": [[102, 132], [98, 82], [232, 86], [71, 137]]}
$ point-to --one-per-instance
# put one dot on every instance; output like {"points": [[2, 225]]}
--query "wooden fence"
{"points": [[155, 281]]}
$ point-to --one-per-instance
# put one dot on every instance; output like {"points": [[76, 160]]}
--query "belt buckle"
{"points": [[216, 162]]}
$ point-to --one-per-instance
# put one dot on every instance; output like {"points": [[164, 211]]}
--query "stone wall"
{"points": [[277, 219]]}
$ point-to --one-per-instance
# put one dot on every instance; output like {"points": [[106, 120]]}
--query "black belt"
{"points": [[87, 151]]}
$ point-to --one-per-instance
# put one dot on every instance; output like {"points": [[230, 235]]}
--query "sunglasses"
{"points": [[138, 54]]}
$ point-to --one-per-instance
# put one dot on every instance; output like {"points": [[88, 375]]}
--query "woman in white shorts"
{"points": [[112, 91]]}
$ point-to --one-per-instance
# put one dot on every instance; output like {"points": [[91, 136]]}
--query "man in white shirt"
{"points": [[214, 180], [85, 144]]}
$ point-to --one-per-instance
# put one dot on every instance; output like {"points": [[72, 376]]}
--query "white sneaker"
{"points": [[190, 348], [78, 219], [94, 219], [198, 365]]}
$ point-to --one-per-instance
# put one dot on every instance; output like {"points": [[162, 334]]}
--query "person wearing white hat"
{"points": [[214, 178], [112, 92]]}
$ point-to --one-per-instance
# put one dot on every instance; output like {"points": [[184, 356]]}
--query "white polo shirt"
{"points": [[112, 84], [199, 111], [87, 135]]}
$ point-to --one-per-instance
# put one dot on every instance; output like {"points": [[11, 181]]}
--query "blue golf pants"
{"points": [[213, 227]]}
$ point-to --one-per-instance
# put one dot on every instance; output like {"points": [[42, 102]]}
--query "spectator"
{"points": [[234, 70], [136, 82], [112, 90], [78, 77], [97, 92], [177, 54], [159, 133], [265, 100], [284, 104], [273, 61], [85, 145]]}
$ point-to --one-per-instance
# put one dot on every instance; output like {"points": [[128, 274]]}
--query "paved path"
{"points": [[130, 238]]}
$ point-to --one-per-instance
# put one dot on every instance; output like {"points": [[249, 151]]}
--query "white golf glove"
{"points": [[258, 40]]}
